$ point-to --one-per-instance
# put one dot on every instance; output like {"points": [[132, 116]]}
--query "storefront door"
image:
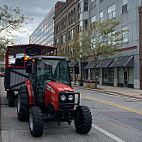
{"points": [[125, 78]]}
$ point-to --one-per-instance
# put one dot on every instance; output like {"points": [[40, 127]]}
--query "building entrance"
{"points": [[125, 78]]}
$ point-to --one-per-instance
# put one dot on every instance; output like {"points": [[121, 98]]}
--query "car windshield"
{"points": [[53, 70]]}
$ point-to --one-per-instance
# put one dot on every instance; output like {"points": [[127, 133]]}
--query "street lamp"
{"points": [[81, 82]]}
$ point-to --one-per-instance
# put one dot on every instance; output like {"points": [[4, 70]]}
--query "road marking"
{"points": [[107, 133], [113, 104]]}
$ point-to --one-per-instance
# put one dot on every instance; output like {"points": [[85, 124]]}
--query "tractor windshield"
{"points": [[53, 70]]}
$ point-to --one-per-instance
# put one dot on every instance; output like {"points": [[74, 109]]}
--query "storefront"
{"points": [[113, 72]]}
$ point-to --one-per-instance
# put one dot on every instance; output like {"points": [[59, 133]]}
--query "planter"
{"points": [[92, 85], [89, 84], [86, 84]]}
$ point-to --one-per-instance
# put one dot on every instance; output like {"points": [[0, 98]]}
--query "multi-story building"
{"points": [[75, 15], [44, 33], [123, 71], [66, 23]]}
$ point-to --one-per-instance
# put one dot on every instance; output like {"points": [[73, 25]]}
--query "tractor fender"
{"points": [[30, 91]]}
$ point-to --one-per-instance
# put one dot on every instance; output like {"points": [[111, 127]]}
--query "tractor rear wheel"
{"points": [[23, 104], [83, 120], [36, 122], [11, 99]]}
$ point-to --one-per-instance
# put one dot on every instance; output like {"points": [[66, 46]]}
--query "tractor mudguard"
{"points": [[30, 91]]}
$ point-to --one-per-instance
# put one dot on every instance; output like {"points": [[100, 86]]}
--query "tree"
{"points": [[99, 39], [10, 20]]}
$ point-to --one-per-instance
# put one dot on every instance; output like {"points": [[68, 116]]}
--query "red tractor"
{"points": [[48, 96], [15, 66]]}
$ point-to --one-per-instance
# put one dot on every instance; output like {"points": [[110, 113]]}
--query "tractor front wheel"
{"points": [[83, 120], [36, 122], [23, 104], [11, 99]]}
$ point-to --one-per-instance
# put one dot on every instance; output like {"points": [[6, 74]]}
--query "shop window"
{"points": [[108, 75], [105, 75], [111, 75], [92, 73], [120, 75]]}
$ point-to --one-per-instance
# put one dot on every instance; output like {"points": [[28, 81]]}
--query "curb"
{"points": [[110, 92]]}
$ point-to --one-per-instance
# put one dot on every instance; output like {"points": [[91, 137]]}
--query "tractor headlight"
{"points": [[63, 98], [70, 98]]}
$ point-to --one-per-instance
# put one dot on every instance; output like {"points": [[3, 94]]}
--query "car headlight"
{"points": [[63, 98], [70, 98]]}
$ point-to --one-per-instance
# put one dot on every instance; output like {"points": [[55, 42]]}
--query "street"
{"points": [[115, 118]]}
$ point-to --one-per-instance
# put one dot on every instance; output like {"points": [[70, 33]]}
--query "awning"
{"points": [[125, 61], [90, 65], [104, 63]]}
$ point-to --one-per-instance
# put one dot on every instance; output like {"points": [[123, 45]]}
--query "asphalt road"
{"points": [[115, 118]]}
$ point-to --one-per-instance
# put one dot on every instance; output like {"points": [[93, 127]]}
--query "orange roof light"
{"points": [[25, 58], [7, 89]]}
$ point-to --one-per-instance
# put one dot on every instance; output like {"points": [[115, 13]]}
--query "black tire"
{"points": [[36, 122], [23, 104], [83, 120], [11, 99]]}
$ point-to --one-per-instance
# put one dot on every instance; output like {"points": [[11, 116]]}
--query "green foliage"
{"points": [[10, 20], [100, 38]]}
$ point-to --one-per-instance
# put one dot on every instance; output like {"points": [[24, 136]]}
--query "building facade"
{"points": [[44, 33], [123, 71], [66, 23], [75, 15]]}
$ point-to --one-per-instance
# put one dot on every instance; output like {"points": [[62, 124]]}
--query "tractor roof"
{"points": [[51, 57]]}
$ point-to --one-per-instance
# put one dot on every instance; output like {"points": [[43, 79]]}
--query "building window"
{"points": [[125, 34], [124, 6], [72, 33], [78, 28], [81, 25], [101, 16], [93, 19], [92, 1], [111, 12], [85, 24], [93, 4], [85, 5], [69, 35], [64, 38]]}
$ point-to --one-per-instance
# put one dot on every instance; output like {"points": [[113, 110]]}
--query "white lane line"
{"points": [[107, 133]]}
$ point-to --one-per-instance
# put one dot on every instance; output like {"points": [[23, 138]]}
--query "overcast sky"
{"points": [[36, 9]]}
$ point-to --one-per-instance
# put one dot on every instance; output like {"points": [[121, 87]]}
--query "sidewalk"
{"points": [[128, 92]]}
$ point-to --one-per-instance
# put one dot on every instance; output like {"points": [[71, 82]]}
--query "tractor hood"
{"points": [[58, 87]]}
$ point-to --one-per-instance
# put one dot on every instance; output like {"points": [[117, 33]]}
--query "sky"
{"points": [[36, 9]]}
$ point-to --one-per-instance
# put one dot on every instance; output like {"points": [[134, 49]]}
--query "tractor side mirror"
{"points": [[29, 68]]}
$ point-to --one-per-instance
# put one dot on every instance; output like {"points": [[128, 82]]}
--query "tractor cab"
{"points": [[49, 68], [48, 74]]}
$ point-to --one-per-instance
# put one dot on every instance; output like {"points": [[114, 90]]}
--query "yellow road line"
{"points": [[113, 104]]}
